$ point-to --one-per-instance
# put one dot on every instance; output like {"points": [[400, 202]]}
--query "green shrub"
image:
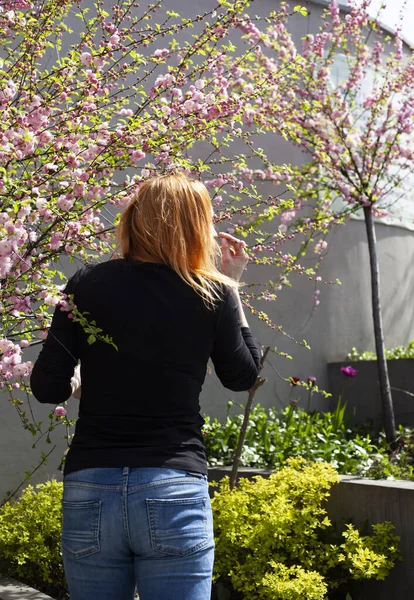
{"points": [[30, 530], [274, 436], [274, 539]]}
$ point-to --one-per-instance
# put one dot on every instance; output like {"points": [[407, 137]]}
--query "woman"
{"points": [[136, 508]]}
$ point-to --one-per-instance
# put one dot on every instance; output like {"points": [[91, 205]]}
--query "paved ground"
{"points": [[14, 590]]}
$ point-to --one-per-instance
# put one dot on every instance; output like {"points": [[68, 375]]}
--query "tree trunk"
{"points": [[385, 388], [248, 409]]}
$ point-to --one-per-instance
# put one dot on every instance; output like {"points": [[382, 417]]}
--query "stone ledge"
{"points": [[218, 472], [10, 589], [399, 484]]}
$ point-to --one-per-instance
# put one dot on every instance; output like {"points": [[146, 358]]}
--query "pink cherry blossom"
{"points": [[137, 155], [321, 246], [86, 58]]}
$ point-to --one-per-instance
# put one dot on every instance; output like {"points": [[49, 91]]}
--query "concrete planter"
{"points": [[362, 392], [359, 500]]}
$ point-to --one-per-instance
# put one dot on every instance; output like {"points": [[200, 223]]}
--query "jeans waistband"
{"points": [[129, 475]]}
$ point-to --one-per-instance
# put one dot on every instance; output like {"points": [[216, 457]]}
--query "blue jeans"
{"points": [[144, 528]]}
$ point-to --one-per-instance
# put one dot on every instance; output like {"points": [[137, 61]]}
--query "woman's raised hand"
{"points": [[233, 256]]}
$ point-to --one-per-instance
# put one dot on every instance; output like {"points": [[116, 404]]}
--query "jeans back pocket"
{"points": [[80, 530], [178, 527]]}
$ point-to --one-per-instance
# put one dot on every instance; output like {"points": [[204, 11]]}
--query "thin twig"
{"points": [[252, 392]]}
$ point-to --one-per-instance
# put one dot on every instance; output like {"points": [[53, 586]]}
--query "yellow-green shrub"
{"points": [[275, 541], [293, 583], [30, 530]]}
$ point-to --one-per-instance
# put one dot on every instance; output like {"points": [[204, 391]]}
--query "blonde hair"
{"points": [[169, 220]]}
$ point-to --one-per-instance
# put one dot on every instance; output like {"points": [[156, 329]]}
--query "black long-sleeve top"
{"points": [[139, 404]]}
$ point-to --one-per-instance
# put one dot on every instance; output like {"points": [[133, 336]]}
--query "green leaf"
{"points": [[91, 339], [300, 9]]}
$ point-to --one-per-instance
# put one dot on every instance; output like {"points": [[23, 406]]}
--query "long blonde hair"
{"points": [[169, 220]]}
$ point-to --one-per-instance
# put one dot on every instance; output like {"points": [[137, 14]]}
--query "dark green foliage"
{"points": [[273, 436]]}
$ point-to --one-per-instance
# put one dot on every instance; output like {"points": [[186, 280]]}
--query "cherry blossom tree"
{"points": [[88, 116], [359, 146]]}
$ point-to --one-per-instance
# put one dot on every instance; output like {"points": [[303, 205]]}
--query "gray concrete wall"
{"points": [[342, 320]]}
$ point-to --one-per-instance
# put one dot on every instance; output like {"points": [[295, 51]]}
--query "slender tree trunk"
{"points": [[248, 409], [385, 388]]}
